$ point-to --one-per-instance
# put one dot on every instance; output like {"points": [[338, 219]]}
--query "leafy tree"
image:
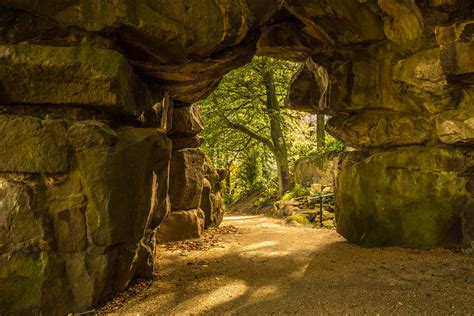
{"points": [[246, 114]]}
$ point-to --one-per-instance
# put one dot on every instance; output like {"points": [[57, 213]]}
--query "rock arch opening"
{"points": [[86, 92]]}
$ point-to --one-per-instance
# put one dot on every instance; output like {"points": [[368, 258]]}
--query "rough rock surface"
{"points": [[70, 75], [186, 174], [19, 151], [181, 225], [186, 122], [194, 183], [63, 231], [415, 199], [212, 202], [404, 103], [309, 170]]}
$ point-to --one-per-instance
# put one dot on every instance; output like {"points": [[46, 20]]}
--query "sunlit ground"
{"points": [[273, 268]]}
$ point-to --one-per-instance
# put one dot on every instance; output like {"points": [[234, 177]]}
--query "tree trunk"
{"points": [[278, 139], [320, 133], [228, 188], [284, 178]]}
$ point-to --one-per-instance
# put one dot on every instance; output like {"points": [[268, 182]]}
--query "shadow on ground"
{"points": [[271, 268]]}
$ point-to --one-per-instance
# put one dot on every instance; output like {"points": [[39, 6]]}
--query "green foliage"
{"points": [[249, 174], [241, 99], [333, 147], [268, 197], [297, 191]]}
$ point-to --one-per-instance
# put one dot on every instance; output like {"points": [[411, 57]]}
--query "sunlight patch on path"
{"points": [[238, 218], [259, 245], [230, 291]]}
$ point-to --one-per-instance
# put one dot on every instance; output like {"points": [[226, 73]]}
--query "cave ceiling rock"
{"points": [[308, 88], [333, 22], [286, 40], [403, 23]]}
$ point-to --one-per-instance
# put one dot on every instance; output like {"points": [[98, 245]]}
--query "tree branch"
{"points": [[247, 131]]}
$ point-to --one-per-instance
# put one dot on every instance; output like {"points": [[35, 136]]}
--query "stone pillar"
{"points": [[82, 184], [405, 107], [212, 202], [196, 203]]}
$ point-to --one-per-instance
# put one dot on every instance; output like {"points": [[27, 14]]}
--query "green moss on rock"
{"points": [[20, 282], [300, 219], [415, 199]]}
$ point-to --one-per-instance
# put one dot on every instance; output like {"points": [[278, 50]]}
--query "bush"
{"points": [[332, 147], [297, 191]]}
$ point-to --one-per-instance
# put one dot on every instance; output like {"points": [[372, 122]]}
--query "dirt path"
{"points": [[271, 268]]}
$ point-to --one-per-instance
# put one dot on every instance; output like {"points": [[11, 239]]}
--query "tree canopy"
{"points": [[250, 132]]}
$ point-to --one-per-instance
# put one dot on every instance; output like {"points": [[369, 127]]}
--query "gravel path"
{"points": [[268, 267]]}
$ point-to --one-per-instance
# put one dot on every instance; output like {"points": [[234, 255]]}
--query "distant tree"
{"points": [[246, 112]]}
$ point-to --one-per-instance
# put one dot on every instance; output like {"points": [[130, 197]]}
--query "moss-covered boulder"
{"points": [[30, 281], [403, 197], [381, 129], [70, 75], [70, 238], [300, 219]]}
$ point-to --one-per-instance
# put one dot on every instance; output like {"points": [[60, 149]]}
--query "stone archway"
{"points": [[86, 89]]}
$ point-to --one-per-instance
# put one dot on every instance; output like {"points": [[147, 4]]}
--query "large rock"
{"points": [[206, 204], [69, 239], [187, 142], [219, 208], [422, 71], [186, 174], [181, 225], [70, 75], [212, 204], [166, 31], [316, 169], [308, 88], [117, 180], [166, 41], [415, 199], [335, 22], [33, 145], [381, 129], [118, 177], [23, 215], [285, 40], [187, 122], [403, 23], [456, 127]]}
